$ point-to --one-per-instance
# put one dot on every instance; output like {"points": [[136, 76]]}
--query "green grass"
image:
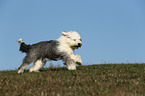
{"points": [[92, 80]]}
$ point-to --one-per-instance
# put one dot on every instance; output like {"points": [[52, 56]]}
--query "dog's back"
{"points": [[44, 49]]}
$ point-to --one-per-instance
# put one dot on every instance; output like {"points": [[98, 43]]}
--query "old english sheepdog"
{"points": [[60, 49]]}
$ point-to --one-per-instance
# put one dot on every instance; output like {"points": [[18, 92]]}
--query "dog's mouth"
{"points": [[77, 46]]}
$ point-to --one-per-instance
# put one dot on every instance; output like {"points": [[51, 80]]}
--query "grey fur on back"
{"points": [[46, 50]]}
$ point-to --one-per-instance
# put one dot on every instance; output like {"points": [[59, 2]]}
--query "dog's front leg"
{"points": [[71, 65], [77, 59]]}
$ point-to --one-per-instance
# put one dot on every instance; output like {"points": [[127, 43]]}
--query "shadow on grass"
{"points": [[53, 69], [58, 69]]}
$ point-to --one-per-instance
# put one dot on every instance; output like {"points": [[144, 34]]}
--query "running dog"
{"points": [[60, 49]]}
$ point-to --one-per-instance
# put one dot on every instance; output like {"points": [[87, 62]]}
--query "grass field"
{"points": [[92, 80]]}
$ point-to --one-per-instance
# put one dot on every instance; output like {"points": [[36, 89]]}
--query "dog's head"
{"points": [[73, 39]]}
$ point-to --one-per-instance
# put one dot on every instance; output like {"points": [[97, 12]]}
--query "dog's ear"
{"points": [[64, 33]]}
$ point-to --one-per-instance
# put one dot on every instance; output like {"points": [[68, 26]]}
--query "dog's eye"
{"points": [[68, 37], [74, 39], [80, 39]]}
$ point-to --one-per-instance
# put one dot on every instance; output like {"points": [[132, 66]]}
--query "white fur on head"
{"points": [[73, 39], [67, 42], [64, 33]]}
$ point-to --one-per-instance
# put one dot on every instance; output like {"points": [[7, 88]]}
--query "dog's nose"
{"points": [[80, 44]]}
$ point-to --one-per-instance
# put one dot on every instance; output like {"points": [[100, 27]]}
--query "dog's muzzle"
{"points": [[77, 46]]}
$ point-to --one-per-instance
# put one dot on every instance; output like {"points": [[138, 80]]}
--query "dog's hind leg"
{"points": [[27, 60], [22, 67], [37, 65]]}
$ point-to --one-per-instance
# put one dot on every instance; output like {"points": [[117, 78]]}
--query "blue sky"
{"points": [[113, 31]]}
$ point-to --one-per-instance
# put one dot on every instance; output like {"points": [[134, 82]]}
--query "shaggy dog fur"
{"points": [[60, 49]]}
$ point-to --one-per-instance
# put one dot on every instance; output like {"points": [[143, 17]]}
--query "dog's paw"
{"points": [[34, 71], [71, 67], [20, 71], [79, 63]]}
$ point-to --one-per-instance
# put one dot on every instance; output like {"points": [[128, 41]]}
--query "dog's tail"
{"points": [[24, 47]]}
